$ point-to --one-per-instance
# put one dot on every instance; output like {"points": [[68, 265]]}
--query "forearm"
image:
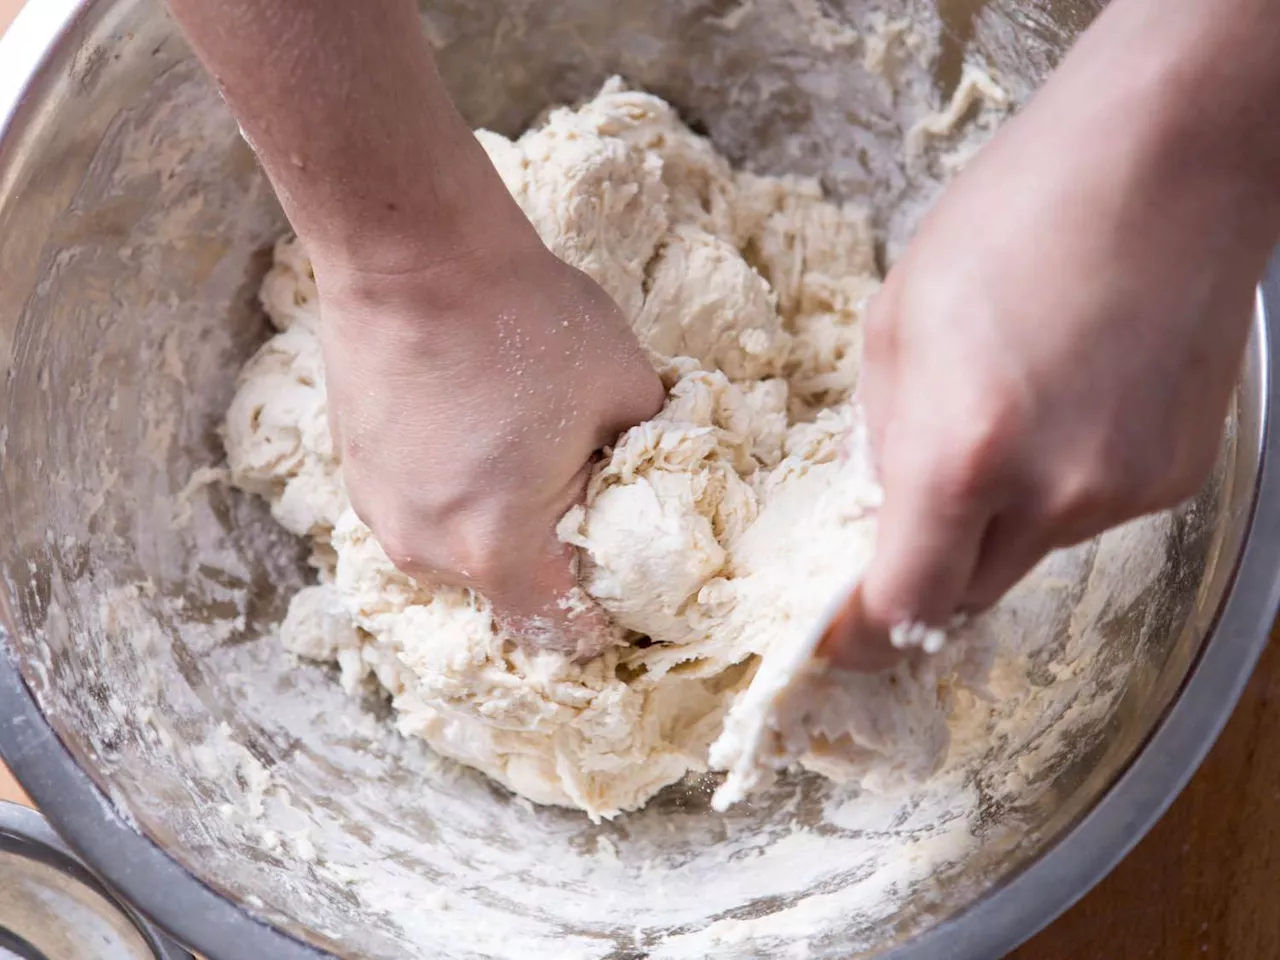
{"points": [[1200, 79], [1231, 79], [342, 103]]}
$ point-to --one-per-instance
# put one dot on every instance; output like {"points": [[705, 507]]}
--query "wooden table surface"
{"points": [[1204, 882]]}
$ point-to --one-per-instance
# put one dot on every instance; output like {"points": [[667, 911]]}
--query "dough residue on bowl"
{"points": [[715, 532]]}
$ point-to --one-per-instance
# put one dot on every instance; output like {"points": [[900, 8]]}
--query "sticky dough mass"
{"points": [[716, 532]]}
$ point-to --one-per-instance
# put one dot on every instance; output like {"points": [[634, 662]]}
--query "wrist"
{"points": [[1210, 151], [458, 212], [1194, 85], [428, 285]]}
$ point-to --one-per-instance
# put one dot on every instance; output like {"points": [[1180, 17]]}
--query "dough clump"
{"points": [[714, 533]]}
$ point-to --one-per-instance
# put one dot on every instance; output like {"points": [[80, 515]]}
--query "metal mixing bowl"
{"points": [[50, 906], [251, 808]]}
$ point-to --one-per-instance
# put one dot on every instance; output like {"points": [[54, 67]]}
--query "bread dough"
{"points": [[718, 532]]}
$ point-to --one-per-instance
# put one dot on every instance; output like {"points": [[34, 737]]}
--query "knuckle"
{"points": [[1090, 500], [1082, 501], [480, 560], [1088, 489], [399, 547], [980, 453], [400, 540]]}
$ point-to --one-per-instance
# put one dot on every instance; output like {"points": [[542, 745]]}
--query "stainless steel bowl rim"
{"points": [[26, 833], [158, 886]]}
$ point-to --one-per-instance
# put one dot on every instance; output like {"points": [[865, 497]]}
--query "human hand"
{"points": [[471, 375], [1055, 352], [467, 397]]}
